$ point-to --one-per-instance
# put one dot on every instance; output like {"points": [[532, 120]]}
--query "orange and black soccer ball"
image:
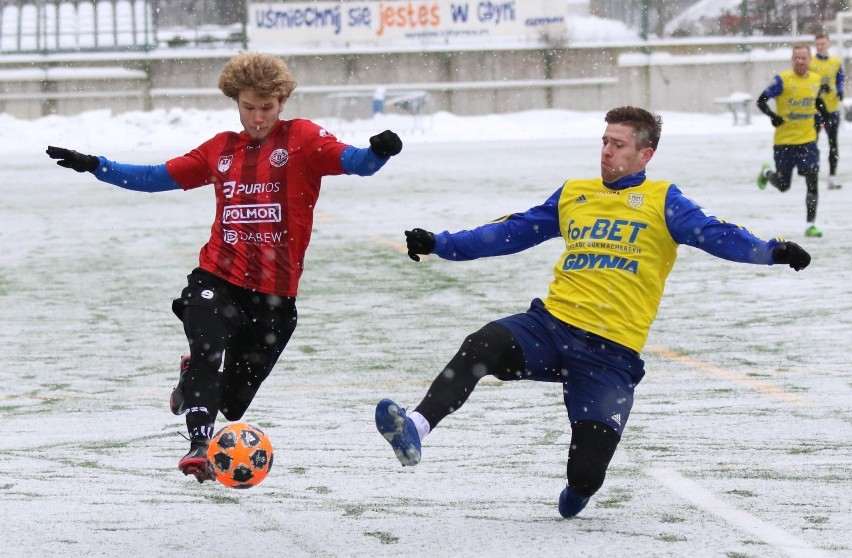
{"points": [[241, 455]]}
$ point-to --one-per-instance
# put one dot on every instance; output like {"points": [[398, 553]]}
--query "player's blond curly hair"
{"points": [[262, 74]]}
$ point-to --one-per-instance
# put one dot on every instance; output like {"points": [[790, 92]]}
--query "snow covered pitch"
{"points": [[738, 444]]}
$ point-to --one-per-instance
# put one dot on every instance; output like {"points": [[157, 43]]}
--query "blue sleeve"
{"points": [[360, 161], [775, 88], [841, 79], [140, 178], [508, 235], [690, 225]]}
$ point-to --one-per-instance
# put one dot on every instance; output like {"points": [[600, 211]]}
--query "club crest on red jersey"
{"points": [[279, 157], [225, 163]]}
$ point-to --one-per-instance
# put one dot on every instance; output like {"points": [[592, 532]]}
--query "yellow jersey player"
{"points": [[830, 70], [797, 100], [621, 233]]}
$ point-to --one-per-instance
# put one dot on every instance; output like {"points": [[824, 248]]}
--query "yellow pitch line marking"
{"points": [[733, 376], [385, 241], [324, 217], [398, 246]]}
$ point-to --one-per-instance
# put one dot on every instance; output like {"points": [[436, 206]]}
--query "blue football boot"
{"points": [[570, 504], [399, 431]]}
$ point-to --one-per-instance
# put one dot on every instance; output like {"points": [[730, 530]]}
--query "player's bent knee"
{"points": [[233, 413], [495, 351]]}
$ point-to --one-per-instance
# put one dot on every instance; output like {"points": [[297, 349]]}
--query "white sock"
{"points": [[420, 423]]}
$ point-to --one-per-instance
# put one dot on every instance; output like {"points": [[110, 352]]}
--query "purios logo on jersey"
{"points": [[225, 163], [252, 213], [231, 188], [279, 158]]}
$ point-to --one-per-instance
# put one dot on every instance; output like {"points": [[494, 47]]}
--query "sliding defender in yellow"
{"points": [[621, 233]]}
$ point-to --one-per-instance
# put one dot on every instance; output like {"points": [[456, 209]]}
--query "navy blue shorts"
{"points": [[597, 375], [804, 157]]}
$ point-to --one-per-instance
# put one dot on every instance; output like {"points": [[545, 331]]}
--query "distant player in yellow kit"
{"points": [[797, 100], [620, 237], [830, 70]]}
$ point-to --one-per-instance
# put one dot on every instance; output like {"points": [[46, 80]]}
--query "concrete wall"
{"points": [[685, 76]]}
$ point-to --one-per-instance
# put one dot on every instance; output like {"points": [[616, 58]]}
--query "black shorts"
{"points": [[260, 325]]}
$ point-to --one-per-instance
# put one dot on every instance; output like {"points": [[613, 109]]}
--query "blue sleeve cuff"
{"points": [[360, 161]]}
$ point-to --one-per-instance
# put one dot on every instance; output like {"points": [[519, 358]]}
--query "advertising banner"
{"points": [[401, 23]]}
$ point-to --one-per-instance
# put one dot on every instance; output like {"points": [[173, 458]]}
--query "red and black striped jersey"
{"points": [[266, 193]]}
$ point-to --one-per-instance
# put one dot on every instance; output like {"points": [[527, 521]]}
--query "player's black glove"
{"points": [[419, 241], [387, 144], [70, 159], [776, 120], [824, 88], [791, 254]]}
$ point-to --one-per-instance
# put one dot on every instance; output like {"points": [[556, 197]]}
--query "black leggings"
{"points": [[812, 195], [833, 154], [493, 351], [240, 331]]}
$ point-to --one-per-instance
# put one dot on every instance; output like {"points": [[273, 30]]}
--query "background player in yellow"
{"points": [[832, 78], [620, 235], [797, 100]]}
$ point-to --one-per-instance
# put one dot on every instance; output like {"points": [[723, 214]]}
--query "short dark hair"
{"points": [[648, 126], [821, 35]]}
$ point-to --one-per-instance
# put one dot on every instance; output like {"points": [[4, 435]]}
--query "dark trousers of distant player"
{"points": [[805, 158], [832, 125], [240, 331], [598, 378]]}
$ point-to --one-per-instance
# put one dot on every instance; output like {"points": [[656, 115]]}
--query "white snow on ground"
{"points": [[738, 444]]}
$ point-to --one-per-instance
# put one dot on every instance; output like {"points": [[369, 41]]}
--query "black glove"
{"points": [[419, 241], [824, 88], [792, 254], [387, 144], [776, 120], [70, 159]]}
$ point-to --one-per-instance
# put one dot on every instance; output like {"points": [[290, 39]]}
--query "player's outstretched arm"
{"points": [[140, 178], [367, 161], [71, 159]]}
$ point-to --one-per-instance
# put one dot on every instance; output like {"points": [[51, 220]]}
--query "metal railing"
{"points": [[49, 26]]}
